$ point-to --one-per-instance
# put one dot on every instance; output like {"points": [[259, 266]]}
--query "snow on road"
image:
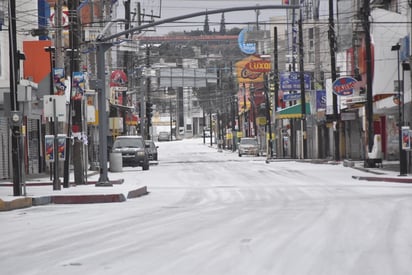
{"points": [[211, 212]]}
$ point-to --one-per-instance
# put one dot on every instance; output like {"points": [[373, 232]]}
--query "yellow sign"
{"points": [[244, 74], [261, 120]]}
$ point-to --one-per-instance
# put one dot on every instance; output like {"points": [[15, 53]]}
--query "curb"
{"points": [[15, 204], [385, 179], [71, 199], [83, 199], [137, 193]]}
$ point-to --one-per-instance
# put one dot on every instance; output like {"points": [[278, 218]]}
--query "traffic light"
{"points": [[149, 113]]}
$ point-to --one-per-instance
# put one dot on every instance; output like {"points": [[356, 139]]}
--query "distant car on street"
{"points": [[163, 136], [133, 150], [151, 146], [248, 146]]}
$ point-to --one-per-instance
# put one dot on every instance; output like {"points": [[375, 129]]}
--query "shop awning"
{"points": [[294, 111]]}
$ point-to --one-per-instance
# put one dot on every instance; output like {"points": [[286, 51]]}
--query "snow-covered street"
{"points": [[211, 212]]}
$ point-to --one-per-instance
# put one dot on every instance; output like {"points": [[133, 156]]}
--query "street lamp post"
{"points": [[253, 108], [405, 67], [402, 153], [268, 119], [245, 122]]}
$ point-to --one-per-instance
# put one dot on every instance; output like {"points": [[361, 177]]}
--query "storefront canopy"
{"points": [[294, 111]]}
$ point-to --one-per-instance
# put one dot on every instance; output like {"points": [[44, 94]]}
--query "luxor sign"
{"points": [[261, 66]]}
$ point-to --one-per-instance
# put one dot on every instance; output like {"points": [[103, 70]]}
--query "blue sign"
{"points": [[320, 99], [290, 81], [291, 96], [247, 48]]}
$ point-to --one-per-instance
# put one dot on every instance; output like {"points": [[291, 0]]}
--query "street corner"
{"points": [[141, 191], [15, 204]]}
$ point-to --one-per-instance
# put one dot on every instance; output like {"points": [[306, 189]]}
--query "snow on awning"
{"points": [[294, 111]]}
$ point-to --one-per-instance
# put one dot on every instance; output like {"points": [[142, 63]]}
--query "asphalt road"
{"points": [[211, 212]]}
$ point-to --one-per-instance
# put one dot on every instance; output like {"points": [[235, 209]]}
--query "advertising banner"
{"points": [[244, 74], [58, 80], [61, 146], [406, 141], [78, 85], [49, 148]]}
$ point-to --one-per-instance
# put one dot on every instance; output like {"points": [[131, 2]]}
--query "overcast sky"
{"points": [[173, 8]]}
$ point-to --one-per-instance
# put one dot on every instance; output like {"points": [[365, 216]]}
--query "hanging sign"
{"points": [[344, 86]]}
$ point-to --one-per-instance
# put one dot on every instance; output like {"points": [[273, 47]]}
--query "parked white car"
{"points": [[248, 146]]}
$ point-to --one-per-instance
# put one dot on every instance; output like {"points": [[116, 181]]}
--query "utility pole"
{"points": [[302, 89], [332, 45], [74, 42], [369, 93], [15, 115], [148, 84], [276, 82]]}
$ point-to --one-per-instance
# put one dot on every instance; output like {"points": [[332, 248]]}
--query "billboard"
{"points": [[243, 72]]}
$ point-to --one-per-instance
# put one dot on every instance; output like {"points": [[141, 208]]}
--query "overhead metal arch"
{"points": [[103, 38]]}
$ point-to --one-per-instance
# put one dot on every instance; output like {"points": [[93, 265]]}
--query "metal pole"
{"points": [[66, 172], [268, 119], [56, 180], [50, 50], [302, 90], [332, 45], [147, 91], [402, 153], [369, 80], [171, 118], [210, 121], [103, 129], [276, 83], [244, 110], [234, 133], [17, 188]]}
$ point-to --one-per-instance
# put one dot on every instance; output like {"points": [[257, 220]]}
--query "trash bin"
{"points": [[116, 162]]}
